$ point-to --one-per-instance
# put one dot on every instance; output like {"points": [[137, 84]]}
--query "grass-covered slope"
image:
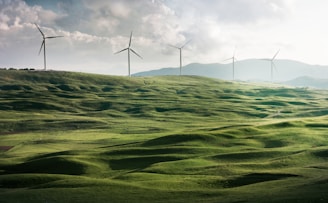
{"points": [[73, 137]]}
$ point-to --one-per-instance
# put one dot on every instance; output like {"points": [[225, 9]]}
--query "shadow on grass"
{"points": [[26, 180], [48, 165], [146, 151], [321, 153], [180, 138], [254, 178], [245, 156], [139, 162]]}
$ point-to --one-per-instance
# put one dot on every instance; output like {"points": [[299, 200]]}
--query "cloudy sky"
{"points": [[96, 29]]}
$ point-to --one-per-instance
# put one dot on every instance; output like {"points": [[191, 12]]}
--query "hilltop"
{"points": [[76, 137]]}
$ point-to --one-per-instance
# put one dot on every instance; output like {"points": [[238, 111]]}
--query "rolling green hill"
{"points": [[73, 137]]}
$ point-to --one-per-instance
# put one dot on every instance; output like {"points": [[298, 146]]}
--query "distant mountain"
{"points": [[248, 70], [308, 82]]}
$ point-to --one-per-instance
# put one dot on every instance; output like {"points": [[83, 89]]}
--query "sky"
{"points": [[94, 30]]}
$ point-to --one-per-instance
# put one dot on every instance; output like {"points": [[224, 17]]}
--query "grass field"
{"points": [[73, 137]]}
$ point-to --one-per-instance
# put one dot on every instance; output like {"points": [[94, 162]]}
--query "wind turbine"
{"points": [[180, 49], [44, 45], [233, 58], [272, 63], [129, 49]]}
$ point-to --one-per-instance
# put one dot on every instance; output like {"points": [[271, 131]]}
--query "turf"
{"points": [[74, 137]]}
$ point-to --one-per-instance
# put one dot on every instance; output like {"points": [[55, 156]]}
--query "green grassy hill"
{"points": [[73, 137]]}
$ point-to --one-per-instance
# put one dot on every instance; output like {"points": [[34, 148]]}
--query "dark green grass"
{"points": [[73, 137]]}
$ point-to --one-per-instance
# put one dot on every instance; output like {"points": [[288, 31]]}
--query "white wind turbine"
{"points": [[272, 63], [233, 58], [44, 45], [180, 49], [129, 49]]}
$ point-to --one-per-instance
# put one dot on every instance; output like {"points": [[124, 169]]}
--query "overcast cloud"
{"points": [[94, 30]]}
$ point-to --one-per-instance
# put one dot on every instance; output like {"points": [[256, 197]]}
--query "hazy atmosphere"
{"points": [[95, 30], [196, 101]]}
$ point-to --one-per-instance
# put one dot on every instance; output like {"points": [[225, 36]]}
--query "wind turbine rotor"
{"points": [[43, 45], [234, 59], [129, 49], [180, 49]]}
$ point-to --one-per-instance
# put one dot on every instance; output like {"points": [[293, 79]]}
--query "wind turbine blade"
{"points": [[41, 46], [130, 39], [135, 53], [39, 29], [53, 37], [227, 59], [121, 51], [186, 44], [174, 46], [275, 55]]}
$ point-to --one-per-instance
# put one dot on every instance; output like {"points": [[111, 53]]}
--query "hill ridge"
{"points": [[247, 70]]}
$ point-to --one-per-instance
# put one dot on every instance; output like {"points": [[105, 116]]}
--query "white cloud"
{"points": [[17, 12], [94, 30], [82, 37], [234, 11]]}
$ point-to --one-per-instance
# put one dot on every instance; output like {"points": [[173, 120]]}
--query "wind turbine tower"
{"points": [[180, 49], [44, 45], [129, 49]]}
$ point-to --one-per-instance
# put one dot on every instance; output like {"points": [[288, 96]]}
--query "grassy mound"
{"points": [[74, 137]]}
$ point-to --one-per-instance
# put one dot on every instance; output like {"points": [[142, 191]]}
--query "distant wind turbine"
{"points": [[272, 63], [129, 49], [233, 58], [180, 49], [44, 45]]}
